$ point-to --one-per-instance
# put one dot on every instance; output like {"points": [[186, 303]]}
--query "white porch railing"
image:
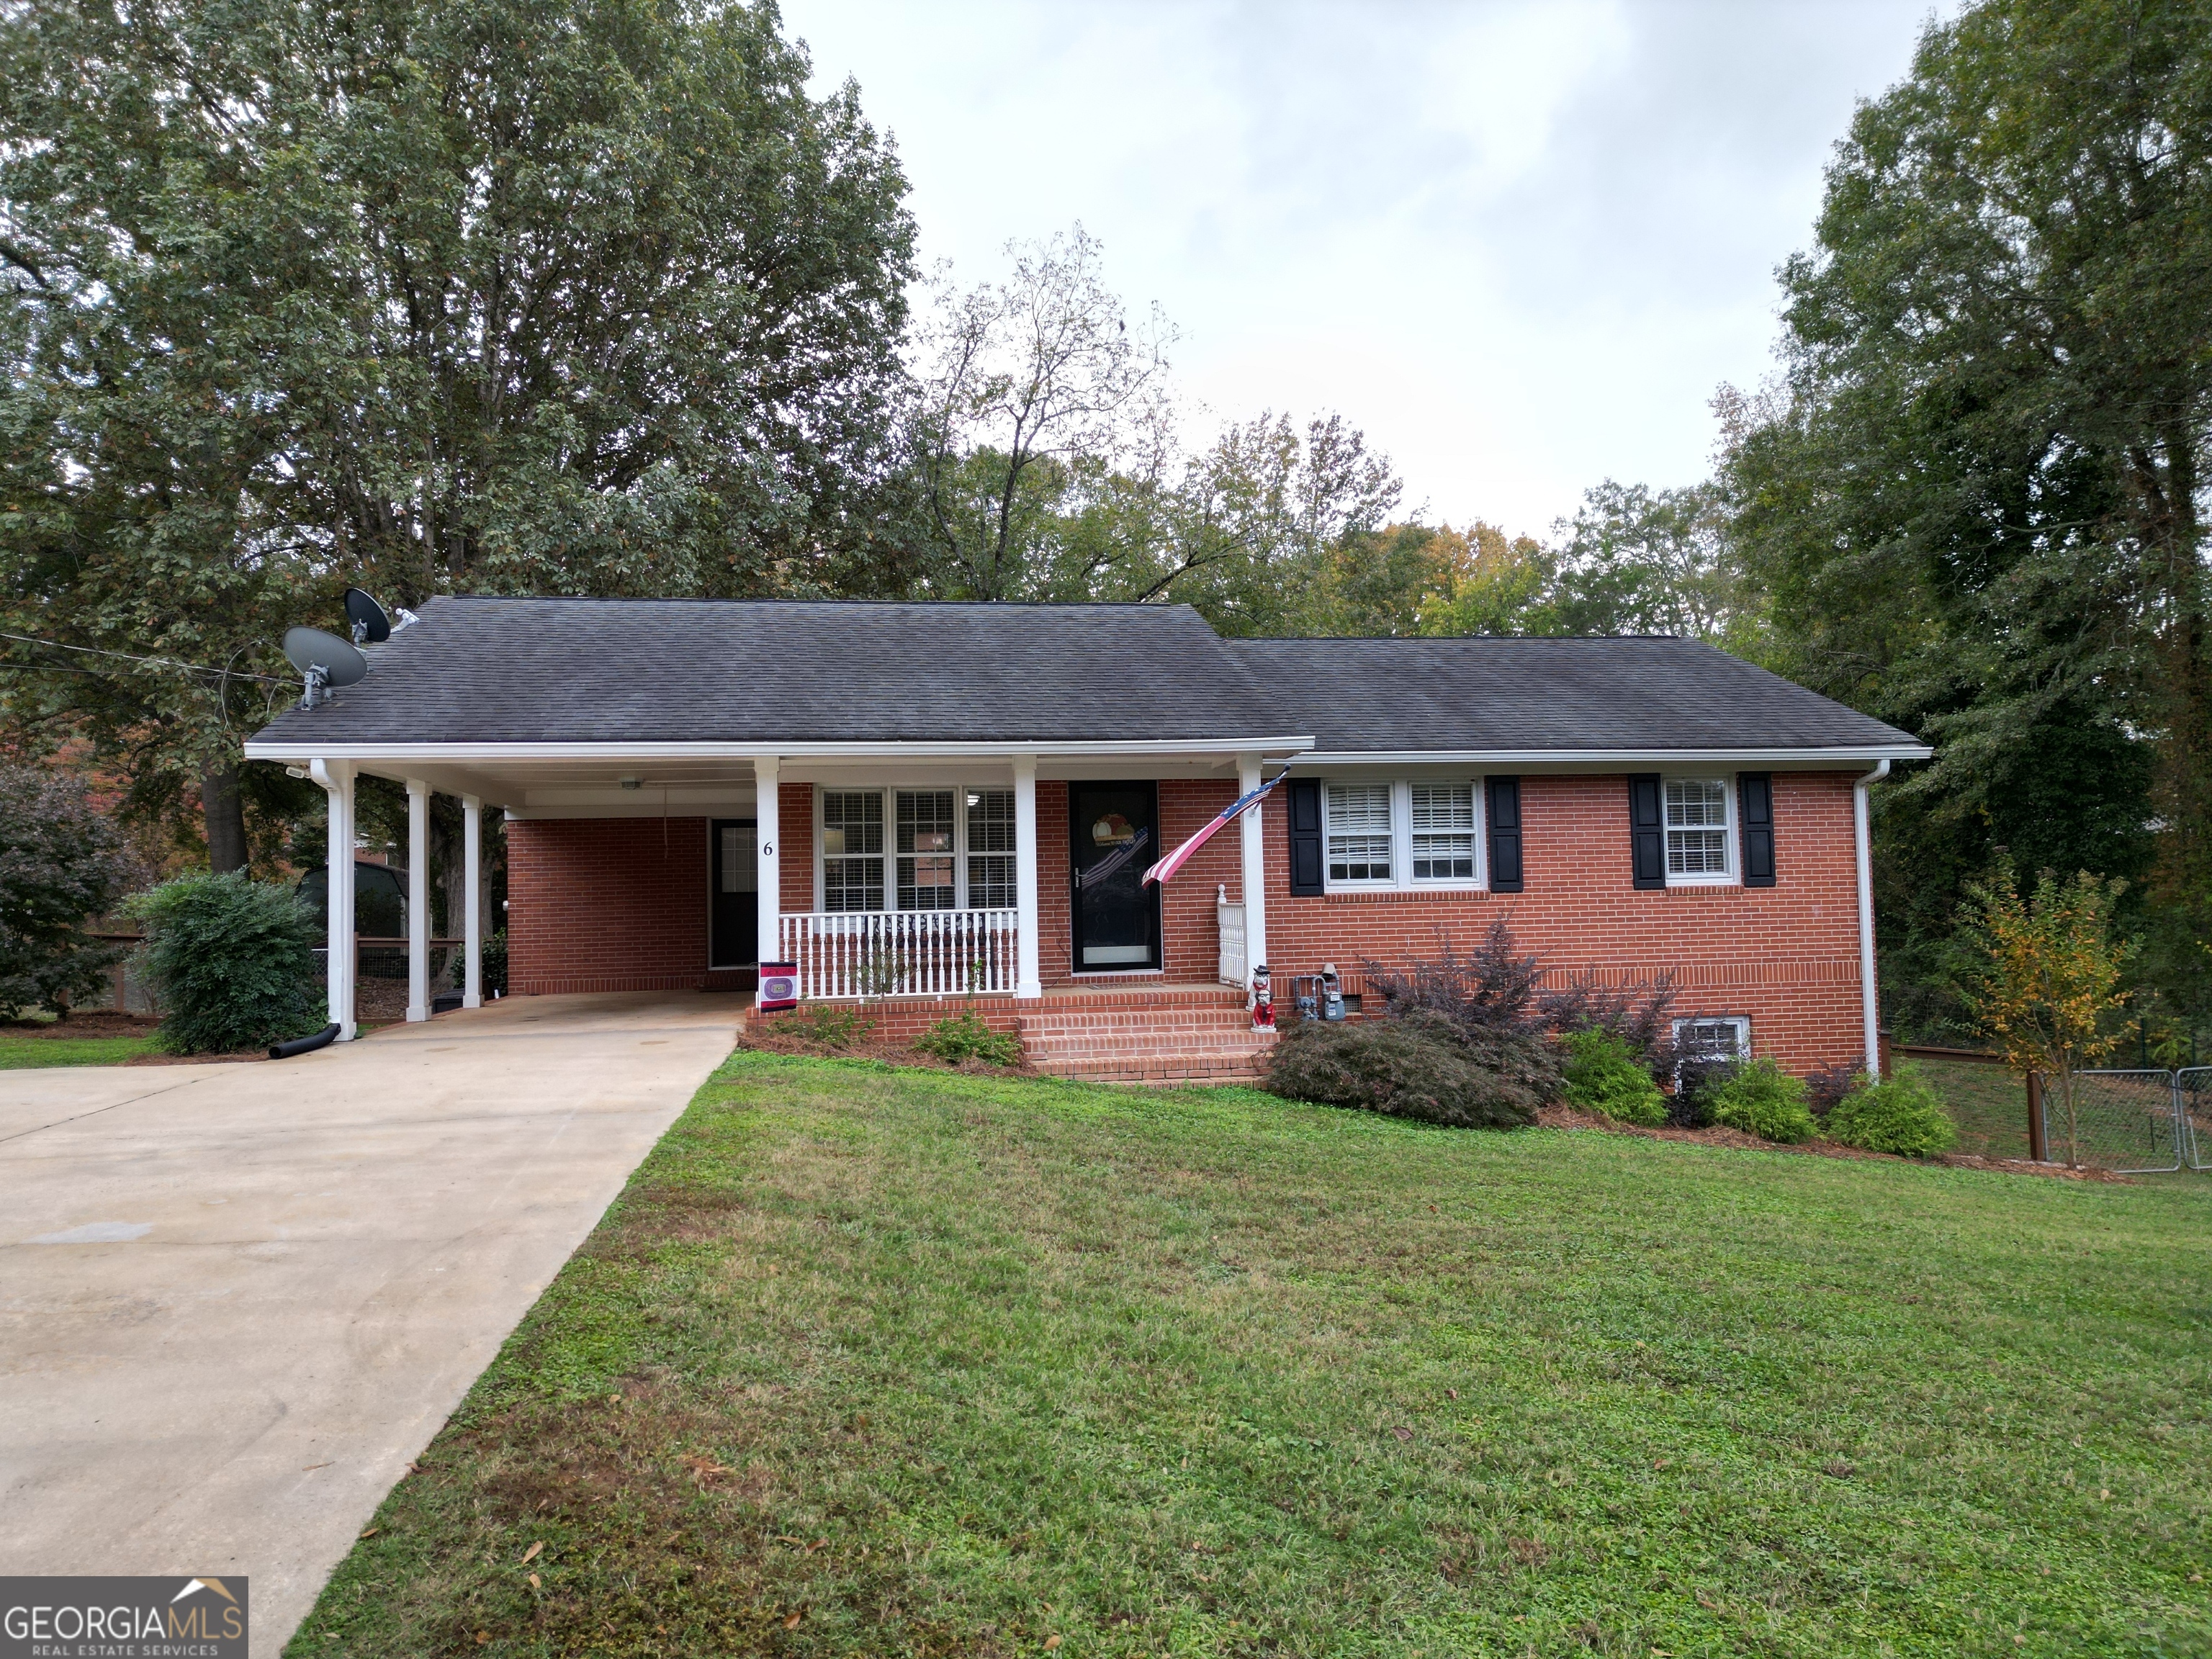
{"points": [[900, 953]]}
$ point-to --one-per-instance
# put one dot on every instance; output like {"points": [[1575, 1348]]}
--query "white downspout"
{"points": [[338, 962], [1870, 1005]]}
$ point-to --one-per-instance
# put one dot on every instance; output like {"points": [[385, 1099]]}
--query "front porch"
{"points": [[903, 878]]}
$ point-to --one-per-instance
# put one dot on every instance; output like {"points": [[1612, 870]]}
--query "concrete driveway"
{"points": [[235, 1300]]}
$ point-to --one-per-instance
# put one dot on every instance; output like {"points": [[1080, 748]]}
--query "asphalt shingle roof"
{"points": [[480, 670], [485, 669], [1489, 694]]}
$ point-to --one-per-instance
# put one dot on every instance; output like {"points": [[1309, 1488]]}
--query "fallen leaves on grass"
{"points": [[532, 1553]]}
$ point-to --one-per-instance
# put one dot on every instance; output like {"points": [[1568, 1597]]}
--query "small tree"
{"points": [[2050, 972], [61, 866]]}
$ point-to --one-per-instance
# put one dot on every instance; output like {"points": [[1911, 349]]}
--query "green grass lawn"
{"points": [[878, 1361], [19, 1051]]}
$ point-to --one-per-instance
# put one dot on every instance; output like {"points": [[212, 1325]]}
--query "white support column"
{"points": [[472, 902], [418, 900], [336, 780], [768, 819], [1029, 977], [1254, 835]]}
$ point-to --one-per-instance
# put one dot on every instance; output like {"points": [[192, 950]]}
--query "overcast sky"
{"points": [[1520, 245]]}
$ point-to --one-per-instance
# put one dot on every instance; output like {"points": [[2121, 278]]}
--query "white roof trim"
{"points": [[1839, 755], [480, 753]]}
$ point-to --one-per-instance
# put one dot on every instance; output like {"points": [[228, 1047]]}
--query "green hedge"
{"points": [[1605, 1075], [1763, 1099], [232, 962], [1423, 1065], [1901, 1114]]}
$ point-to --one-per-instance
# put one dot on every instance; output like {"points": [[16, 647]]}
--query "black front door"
{"points": [[1115, 832], [734, 933]]}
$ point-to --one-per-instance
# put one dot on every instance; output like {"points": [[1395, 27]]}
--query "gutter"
{"points": [[299, 749], [1805, 756], [1861, 838]]}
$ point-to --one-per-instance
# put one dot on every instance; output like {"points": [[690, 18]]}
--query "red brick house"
{"points": [[921, 806]]}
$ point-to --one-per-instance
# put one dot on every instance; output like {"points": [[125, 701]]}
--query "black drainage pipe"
{"points": [[306, 1045]]}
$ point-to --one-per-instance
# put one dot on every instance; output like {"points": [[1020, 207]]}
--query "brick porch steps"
{"points": [[1161, 1036]]}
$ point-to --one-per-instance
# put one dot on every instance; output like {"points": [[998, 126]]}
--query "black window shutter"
{"points": [[1754, 792], [1505, 834], [1647, 829], [1305, 835]]}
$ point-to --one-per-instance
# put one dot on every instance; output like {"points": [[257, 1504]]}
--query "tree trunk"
{"points": [[226, 819]]}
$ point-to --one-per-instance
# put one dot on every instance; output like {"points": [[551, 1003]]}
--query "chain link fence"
{"points": [[2192, 1088], [2128, 1121]]}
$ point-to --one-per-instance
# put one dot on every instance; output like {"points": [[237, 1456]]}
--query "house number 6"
{"points": [[768, 850]]}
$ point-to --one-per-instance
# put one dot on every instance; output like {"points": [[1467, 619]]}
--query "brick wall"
{"points": [[621, 905], [606, 904], [1787, 955]]}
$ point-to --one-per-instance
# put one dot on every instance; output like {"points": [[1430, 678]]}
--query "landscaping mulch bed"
{"points": [[1566, 1117]]}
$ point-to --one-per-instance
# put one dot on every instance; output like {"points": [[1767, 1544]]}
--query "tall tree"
{"points": [[1976, 501], [1044, 421], [585, 297]]}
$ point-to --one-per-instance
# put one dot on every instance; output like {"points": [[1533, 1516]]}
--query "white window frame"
{"points": [[1402, 837], [889, 795], [1733, 875], [1741, 1021]]}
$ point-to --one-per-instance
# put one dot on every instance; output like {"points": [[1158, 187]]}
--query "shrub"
{"points": [[964, 1036], [61, 866], [232, 961], [1641, 1017], [1424, 1064], [1604, 1075], [1763, 1100], [1495, 988], [833, 1028], [1827, 1086], [1696, 1083], [1901, 1114]]}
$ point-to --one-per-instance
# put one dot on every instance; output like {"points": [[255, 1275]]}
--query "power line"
{"points": [[159, 662]]}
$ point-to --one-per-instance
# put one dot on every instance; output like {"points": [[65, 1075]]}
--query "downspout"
{"points": [[1862, 847]]}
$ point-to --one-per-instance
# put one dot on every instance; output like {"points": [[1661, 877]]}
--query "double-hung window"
{"points": [[1359, 831], [1401, 835], [1697, 829], [852, 849], [925, 863], [1444, 832], [949, 849]]}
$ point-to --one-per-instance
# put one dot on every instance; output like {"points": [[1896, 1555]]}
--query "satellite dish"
{"points": [[326, 660], [370, 625]]}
